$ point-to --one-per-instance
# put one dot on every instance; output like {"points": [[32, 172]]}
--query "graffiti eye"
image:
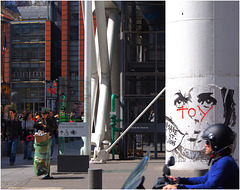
{"points": [[211, 101], [206, 98], [180, 100], [178, 103]]}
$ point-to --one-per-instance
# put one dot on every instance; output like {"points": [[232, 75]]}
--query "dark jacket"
{"points": [[12, 130], [50, 125], [56, 127], [223, 174]]}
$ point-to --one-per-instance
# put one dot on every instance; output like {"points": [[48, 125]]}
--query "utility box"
{"points": [[69, 147], [73, 163]]}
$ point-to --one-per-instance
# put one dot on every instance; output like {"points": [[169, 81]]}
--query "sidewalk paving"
{"points": [[115, 173]]}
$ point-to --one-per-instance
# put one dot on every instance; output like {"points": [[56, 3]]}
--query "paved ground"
{"points": [[115, 173]]}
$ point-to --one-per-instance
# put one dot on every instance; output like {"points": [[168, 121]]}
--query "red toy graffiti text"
{"points": [[192, 112]]}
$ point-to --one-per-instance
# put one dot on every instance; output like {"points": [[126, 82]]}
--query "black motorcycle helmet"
{"points": [[219, 136]]}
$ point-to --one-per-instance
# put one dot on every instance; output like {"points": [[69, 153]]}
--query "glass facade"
{"points": [[144, 74], [56, 7], [143, 79], [73, 51], [28, 65]]}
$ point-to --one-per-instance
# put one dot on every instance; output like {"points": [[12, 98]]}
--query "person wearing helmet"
{"points": [[224, 171]]}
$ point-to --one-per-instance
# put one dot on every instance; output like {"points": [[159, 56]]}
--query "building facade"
{"points": [[41, 48], [30, 61]]}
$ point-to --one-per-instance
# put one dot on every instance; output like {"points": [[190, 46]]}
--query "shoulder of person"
{"points": [[49, 118]]}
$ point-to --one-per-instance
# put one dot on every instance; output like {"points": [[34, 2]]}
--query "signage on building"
{"points": [[73, 129], [51, 95], [51, 89]]}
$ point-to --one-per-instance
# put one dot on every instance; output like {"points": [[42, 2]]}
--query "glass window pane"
{"points": [[24, 37], [41, 28], [25, 28], [34, 32], [15, 33], [41, 50], [74, 33], [34, 52], [24, 54], [15, 52]]}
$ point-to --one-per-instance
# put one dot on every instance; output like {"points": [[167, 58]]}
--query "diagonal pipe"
{"points": [[104, 154]]}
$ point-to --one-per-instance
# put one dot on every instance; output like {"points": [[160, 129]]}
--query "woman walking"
{"points": [[27, 126]]}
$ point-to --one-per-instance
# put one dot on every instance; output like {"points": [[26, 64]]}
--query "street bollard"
{"points": [[94, 178]]}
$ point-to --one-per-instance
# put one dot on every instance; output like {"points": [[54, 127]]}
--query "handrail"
{"points": [[138, 117]]}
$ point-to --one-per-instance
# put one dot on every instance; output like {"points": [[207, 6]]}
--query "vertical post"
{"points": [[61, 111], [94, 178], [87, 73], [113, 121]]}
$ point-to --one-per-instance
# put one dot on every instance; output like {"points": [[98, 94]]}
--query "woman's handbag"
{"points": [[29, 137]]}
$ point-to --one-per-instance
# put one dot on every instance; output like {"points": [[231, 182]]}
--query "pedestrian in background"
{"points": [[12, 132], [22, 116], [37, 117], [28, 131], [3, 120], [151, 117], [72, 117], [55, 134], [6, 111]]}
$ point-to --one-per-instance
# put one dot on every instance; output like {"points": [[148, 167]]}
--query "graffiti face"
{"points": [[192, 114]]}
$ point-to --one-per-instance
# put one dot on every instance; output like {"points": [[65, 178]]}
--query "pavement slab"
{"points": [[114, 174]]}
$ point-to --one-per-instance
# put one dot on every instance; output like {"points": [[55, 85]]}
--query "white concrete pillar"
{"points": [[87, 74], [202, 58]]}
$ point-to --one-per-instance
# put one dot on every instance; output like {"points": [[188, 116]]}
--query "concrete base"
{"points": [[188, 173], [73, 163]]}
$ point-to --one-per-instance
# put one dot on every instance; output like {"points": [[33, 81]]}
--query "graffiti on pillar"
{"points": [[182, 138]]}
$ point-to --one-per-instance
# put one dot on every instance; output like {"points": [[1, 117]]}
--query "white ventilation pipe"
{"points": [[113, 25], [98, 136], [113, 36], [106, 70], [94, 79]]}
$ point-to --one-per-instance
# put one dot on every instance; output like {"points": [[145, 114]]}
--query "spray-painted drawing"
{"points": [[192, 114]]}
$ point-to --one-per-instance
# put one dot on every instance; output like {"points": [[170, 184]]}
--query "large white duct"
{"points": [[98, 136], [94, 79], [113, 25], [114, 20], [202, 47], [110, 36]]}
